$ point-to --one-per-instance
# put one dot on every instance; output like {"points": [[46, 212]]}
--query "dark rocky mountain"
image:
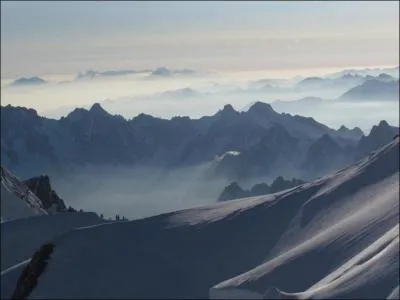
{"points": [[373, 89], [269, 143], [41, 187], [380, 135], [27, 81], [234, 191]]}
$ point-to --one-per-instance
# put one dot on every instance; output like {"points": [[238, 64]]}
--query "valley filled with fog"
{"points": [[136, 193], [341, 97]]}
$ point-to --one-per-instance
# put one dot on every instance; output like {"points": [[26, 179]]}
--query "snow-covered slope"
{"points": [[26, 225], [336, 237], [17, 201], [22, 237]]}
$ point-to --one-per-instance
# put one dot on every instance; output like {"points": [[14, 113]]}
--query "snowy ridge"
{"points": [[17, 201], [336, 237], [366, 225]]}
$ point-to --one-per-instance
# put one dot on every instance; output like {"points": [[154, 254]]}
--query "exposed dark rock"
{"points": [[29, 276], [41, 187], [379, 136], [234, 191]]}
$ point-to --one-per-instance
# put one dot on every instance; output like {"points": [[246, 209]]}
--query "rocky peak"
{"points": [[232, 191], [41, 187], [261, 108], [379, 135], [382, 128], [228, 108], [19, 110], [355, 133], [97, 109], [228, 111]]}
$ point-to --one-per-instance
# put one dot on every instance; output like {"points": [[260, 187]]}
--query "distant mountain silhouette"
{"points": [[28, 81], [393, 71], [379, 135], [165, 72], [327, 82], [90, 74], [234, 191], [374, 90]]}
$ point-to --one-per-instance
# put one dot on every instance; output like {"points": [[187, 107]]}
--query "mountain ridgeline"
{"points": [[234, 191], [267, 143]]}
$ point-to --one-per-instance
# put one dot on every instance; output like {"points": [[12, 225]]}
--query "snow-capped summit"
{"points": [[334, 238]]}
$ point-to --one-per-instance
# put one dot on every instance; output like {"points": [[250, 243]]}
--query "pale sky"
{"points": [[39, 38]]}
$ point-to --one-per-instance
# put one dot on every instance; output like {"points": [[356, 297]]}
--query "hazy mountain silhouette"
{"points": [[91, 74], [379, 136], [28, 81], [374, 90], [268, 143], [234, 191]]}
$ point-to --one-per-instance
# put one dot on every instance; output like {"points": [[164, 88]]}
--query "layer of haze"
{"points": [[137, 193], [196, 96], [41, 38]]}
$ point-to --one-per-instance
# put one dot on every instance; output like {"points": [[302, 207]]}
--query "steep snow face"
{"points": [[17, 201], [336, 237]]}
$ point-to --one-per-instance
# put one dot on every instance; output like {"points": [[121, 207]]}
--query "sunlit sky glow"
{"points": [[39, 38]]}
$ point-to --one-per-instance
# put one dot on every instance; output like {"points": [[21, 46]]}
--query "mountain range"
{"points": [[268, 143]]}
